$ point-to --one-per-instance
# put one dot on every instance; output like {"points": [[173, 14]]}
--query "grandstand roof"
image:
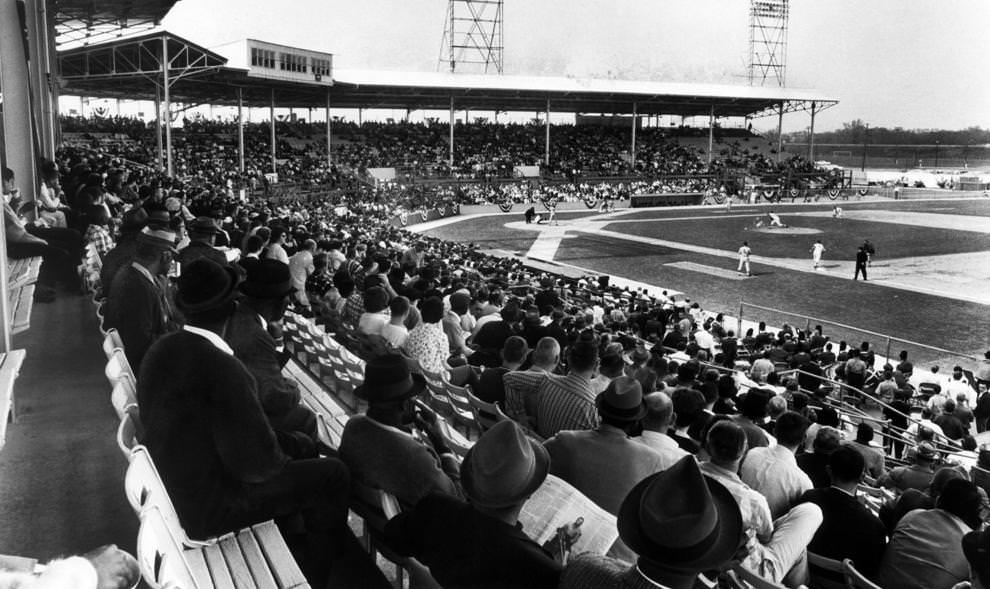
{"points": [[83, 75], [89, 21]]}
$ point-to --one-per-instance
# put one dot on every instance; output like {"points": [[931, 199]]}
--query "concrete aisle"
{"points": [[61, 473]]}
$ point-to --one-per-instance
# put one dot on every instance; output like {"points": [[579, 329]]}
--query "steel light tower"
{"points": [[767, 41], [472, 37]]}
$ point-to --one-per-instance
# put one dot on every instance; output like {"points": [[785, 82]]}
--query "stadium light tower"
{"points": [[767, 41], [472, 37]]}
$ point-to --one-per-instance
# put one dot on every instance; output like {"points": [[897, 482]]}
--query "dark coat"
{"points": [[135, 308], [205, 430], [255, 347], [848, 530], [197, 250], [466, 548]]}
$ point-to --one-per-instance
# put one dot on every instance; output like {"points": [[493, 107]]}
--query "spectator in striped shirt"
{"points": [[568, 402], [522, 388]]}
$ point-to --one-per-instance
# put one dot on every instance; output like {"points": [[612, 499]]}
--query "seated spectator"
{"points": [[491, 385], [428, 345], [265, 298], [925, 549], [252, 252], [679, 496], [950, 424], [568, 402], [915, 476], [98, 232], [605, 463], [107, 567], [122, 253], [218, 455], [137, 306], [911, 499], [480, 543], [848, 530], [976, 547], [375, 315], [815, 463], [874, 457], [522, 387], [300, 267], [774, 472], [202, 235], [689, 411], [379, 447], [657, 422], [395, 331], [752, 413], [775, 548]]}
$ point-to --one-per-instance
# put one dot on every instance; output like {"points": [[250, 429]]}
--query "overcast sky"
{"points": [[907, 63]]}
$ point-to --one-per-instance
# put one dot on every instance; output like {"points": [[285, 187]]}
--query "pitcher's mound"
{"points": [[788, 230]]}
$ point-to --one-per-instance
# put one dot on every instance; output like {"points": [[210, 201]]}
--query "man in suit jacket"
{"points": [[202, 235], [218, 456], [265, 298], [848, 530], [136, 304], [605, 463], [380, 448]]}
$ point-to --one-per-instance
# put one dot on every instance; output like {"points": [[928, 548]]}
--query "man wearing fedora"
{"points": [[775, 548], [679, 522], [605, 463], [211, 441], [122, 254], [202, 235], [383, 450], [137, 306], [480, 543], [265, 298]]}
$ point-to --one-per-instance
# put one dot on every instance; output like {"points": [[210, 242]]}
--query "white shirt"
{"points": [[211, 337], [665, 445], [395, 334], [744, 252], [774, 472], [817, 250]]}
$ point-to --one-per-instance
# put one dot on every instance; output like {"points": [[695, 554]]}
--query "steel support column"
{"points": [[811, 135], [632, 147], [240, 129], [711, 133], [158, 128], [271, 116], [451, 159], [330, 133], [780, 131], [167, 108], [546, 139]]}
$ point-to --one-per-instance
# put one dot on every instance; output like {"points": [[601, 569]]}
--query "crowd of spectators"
{"points": [[616, 391]]}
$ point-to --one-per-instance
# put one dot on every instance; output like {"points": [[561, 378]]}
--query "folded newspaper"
{"points": [[556, 503]]}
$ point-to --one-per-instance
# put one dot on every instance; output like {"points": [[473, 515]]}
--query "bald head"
{"points": [[659, 412], [546, 354]]}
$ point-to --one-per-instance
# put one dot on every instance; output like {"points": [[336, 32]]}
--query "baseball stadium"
{"points": [[593, 304]]}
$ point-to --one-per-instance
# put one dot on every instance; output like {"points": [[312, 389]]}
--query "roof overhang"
{"points": [[216, 83], [95, 21]]}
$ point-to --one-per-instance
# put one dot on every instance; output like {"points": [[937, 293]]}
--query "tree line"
{"points": [[858, 132]]}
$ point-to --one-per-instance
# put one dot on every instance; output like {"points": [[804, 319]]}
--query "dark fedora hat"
{"points": [[622, 400], [702, 512], [504, 467], [134, 220], [268, 279], [387, 378], [204, 226], [205, 285]]}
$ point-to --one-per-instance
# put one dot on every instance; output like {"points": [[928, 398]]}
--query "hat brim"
{"points": [[539, 474], [214, 302], [723, 547], [606, 410], [392, 392]]}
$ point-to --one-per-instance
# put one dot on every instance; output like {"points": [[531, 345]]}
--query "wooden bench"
{"points": [[10, 367], [21, 304], [22, 272], [254, 557]]}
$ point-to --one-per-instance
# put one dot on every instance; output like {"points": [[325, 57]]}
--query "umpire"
{"points": [[861, 259]]}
